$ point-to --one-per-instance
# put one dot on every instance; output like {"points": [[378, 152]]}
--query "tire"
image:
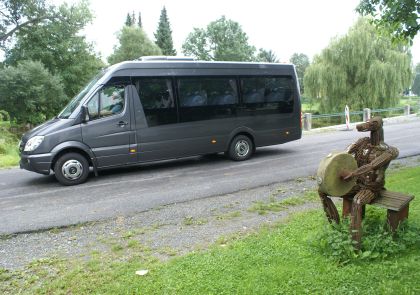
{"points": [[71, 169], [241, 148]]}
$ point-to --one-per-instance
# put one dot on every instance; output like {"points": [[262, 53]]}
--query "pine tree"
{"points": [[163, 35], [133, 18], [139, 21], [128, 21]]}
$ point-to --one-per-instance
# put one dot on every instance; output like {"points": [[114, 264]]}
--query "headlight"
{"points": [[33, 143]]}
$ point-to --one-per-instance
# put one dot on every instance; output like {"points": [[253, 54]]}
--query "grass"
{"points": [[284, 259], [276, 206]]}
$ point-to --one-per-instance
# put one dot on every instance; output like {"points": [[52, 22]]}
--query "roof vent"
{"points": [[167, 58]]}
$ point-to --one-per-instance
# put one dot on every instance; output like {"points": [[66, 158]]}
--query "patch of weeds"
{"points": [[117, 248], [229, 206], [168, 251], [133, 244], [228, 216], [272, 205], [5, 275], [335, 242], [189, 220], [223, 240], [6, 237], [156, 226], [128, 235], [299, 180]]}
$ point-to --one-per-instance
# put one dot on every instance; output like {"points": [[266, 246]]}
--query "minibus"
{"points": [[164, 108]]}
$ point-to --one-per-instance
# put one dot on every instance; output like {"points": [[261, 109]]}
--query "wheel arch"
{"points": [[74, 147], [242, 131]]}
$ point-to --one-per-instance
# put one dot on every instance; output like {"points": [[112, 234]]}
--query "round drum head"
{"points": [[329, 171]]}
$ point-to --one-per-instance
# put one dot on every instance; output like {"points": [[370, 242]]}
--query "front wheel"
{"points": [[71, 169], [241, 148]]}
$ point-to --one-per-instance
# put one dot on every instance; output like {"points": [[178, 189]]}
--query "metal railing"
{"points": [[322, 120]]}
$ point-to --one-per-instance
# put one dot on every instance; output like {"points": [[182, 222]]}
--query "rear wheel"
{"points": [[241, 148], [71, 169]]}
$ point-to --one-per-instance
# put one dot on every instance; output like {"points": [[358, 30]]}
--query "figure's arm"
{"points": [[357, 145], [384, 159]]}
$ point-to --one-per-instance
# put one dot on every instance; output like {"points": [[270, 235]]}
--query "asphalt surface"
{"points": [[32, 202]]}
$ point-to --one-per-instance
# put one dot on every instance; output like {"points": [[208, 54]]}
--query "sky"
{"points": [[284, 26]]}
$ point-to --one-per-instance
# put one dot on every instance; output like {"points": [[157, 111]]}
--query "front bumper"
{"points": [[37, 163]]}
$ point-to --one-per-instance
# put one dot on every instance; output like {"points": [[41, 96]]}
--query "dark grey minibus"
{"points": [[150, 110]]}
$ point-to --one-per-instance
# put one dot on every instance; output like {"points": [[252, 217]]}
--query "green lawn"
{"points": [[303, 256]]}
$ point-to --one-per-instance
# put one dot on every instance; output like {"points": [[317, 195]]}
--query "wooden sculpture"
{"points": [[361, 179]]}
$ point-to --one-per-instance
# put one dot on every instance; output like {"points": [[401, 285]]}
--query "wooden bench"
{"points": [[397, 205]]}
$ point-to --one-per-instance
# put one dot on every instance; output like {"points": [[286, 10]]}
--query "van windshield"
{"points": [[74, 103]]}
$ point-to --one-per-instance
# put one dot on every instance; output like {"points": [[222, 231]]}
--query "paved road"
{"points": [[30, 202]]}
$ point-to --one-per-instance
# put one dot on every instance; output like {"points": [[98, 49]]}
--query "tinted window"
{"points": [[267, 94], [204, 98], [157, 98]]}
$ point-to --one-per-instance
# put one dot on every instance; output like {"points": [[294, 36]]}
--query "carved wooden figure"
{"points": [[373, 157]]}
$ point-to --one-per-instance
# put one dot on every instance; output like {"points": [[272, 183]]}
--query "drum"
{"points": [[330, 170]]}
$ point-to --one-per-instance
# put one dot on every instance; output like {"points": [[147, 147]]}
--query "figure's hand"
{"points": [[346, 175]]}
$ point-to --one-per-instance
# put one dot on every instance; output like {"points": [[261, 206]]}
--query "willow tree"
{"points": [[361, 69]]}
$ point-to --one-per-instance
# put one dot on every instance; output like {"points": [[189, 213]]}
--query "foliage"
{"points": [[18, 14], [29, 93], [133, 43], [266, 56], [163, 35], [222, 39], [128, 21], [301, 61], [416, 83], [131, 20], [9, 155], [361, 70], [58, 45], [399, 18]]}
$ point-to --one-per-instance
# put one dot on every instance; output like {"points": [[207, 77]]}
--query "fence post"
{"points": [[366, 114], [347, 116], [406, 110], [307, 121]]}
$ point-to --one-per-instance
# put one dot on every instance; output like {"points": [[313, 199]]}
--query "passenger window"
{"points": [[205, 98], [157, 98], [267, 94]]}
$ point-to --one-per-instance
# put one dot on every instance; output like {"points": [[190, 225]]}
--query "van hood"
{"points": [[47, 128]]}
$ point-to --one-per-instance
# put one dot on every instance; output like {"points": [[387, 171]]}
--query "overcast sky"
{"points": [[284, 26]]}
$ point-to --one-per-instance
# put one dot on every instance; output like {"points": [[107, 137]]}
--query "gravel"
{"points": [[170, 230]]}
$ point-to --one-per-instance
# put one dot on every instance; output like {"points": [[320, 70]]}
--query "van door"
{"points": [[108, 132]]}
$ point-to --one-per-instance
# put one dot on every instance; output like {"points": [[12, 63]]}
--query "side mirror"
{"points": [[84, 114]]}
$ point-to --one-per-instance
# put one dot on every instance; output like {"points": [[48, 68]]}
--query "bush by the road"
{"points": [[9, 155]]}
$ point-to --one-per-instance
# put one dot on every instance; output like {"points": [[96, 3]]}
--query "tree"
{"points": [[361, 69], [60, 47], [139, 21], [301, 61], [223, 39], [163, 34], [133, 43], [18, 14], [266, 56], [400, 18], [128, 21], [416, 83], [29, 93]]}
